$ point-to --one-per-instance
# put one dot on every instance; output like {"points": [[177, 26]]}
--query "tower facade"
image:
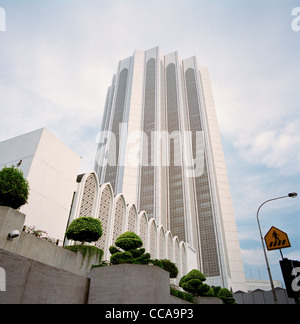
{"points": [[160, 144]]}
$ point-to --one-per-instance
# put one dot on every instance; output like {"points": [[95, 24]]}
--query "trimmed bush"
{"points": [[14, 188], [168, 266], [129, 241], [84, 229], [121, 258], [193, 283], [226, 296], [130, 251], [171, 267]]}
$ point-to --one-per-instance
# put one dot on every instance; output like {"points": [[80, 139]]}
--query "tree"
{"points": [[84, 229], [193, 283], [131, 251], [170, 267], [226, 296], [129, 241], [14, 188]]}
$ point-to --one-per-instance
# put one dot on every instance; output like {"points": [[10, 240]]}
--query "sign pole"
{"points": [[290, 195], [281, 254], [267, 261]]}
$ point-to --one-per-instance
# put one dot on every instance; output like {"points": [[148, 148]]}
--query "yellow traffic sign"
{"points": [[277, 239]]}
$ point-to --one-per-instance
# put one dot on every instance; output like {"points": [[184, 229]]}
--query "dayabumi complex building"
{"points": [[160, 145]]}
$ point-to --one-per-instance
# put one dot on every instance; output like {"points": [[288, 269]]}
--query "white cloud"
{"points": [[254, 257], [261, 122], [275, 148]]}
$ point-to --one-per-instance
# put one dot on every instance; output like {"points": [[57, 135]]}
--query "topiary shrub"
{"points": [[84, 229], [129, 241], [193, 283], [14, 188], [121, 258], [131, 251], [226, 296], [171, 267]]}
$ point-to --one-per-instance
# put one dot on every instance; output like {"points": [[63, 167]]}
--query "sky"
{"points": [[57, 59]]}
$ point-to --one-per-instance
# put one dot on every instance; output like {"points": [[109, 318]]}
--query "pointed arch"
{"points": [[143, 228], [152, 235], [169, 245], [89, 186], [104, 214], [118, 218], [176, 252], [131, 218], [183, 257], [161, 241]]}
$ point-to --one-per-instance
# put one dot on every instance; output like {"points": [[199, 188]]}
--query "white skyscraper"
{"points": [[160, 145]]}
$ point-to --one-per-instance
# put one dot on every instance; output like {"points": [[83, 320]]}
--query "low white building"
{"points": [[265, 285], [51, 169]]}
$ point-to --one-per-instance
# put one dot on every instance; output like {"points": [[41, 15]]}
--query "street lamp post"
{"points": [[290, 195]]}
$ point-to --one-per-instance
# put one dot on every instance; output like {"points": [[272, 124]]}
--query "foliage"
{"points": [[32, 230], [226, 296], [180, 294], [84, 229], [131, 251], [129, 241], [100, 265], [87, 251], [216, 290], [168, 266], [121, 258], [193, 283], [14, 188], [157, 263]]}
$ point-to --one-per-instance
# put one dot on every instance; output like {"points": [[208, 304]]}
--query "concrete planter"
{"points": [[129, 284], [10, 219], [207, 301]]}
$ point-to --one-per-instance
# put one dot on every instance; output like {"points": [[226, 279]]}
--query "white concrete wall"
{"points": [[20, 148], [51, 169]]}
